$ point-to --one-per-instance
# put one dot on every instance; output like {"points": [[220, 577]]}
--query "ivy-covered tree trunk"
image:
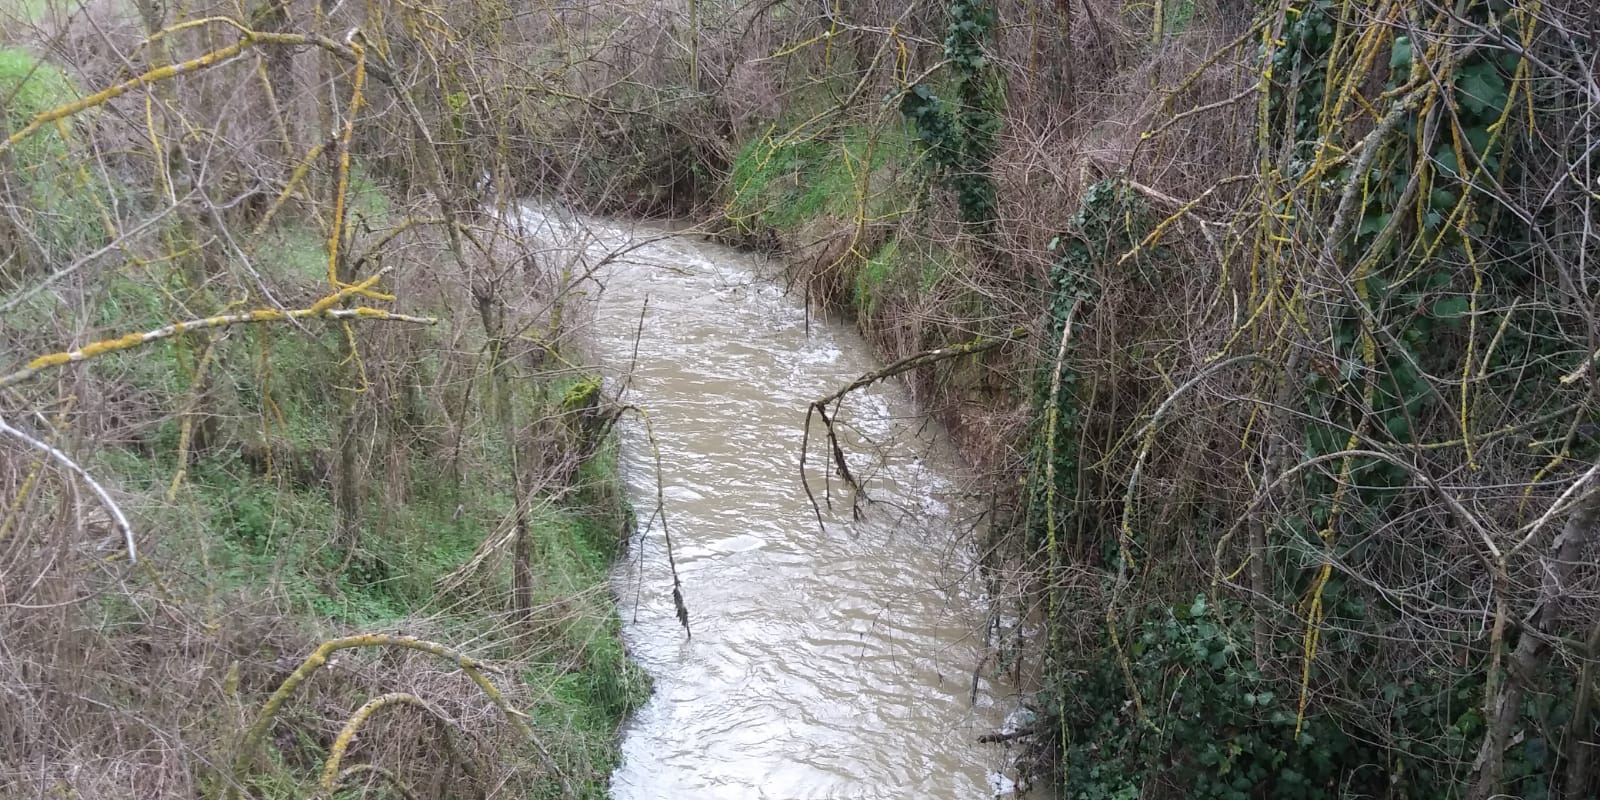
{"points": [[962, 141]]}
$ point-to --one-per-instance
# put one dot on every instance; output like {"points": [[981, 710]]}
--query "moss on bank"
{"points": [[782, 181]]}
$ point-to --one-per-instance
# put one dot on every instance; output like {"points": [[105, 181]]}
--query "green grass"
{"points": [[784, 182], [898, 269], [32, 10], [257, 534], [63, 204], [235, 533], [873, 278], [593, 686], [265, 532], [366, 200], [294, 254]]}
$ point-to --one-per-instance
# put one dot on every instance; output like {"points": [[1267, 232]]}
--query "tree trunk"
{"points": [[1580, 729], [492, 314], [1531, 654], [1064, 65], [1261, 578]]}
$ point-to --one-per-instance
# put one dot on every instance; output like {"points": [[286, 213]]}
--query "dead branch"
{"points": [[100, 492], [819, 407]]}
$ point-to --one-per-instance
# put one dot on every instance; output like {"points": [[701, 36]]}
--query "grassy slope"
{"points": [[242, 533], [788, 184], [235, 531]]}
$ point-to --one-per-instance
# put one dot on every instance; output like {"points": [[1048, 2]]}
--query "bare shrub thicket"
{"points": [[1314, 283], [258, 282]]}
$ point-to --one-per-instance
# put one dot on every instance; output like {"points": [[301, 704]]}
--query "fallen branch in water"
{"points": [[819, 408], [680, 606], [996, 738]]}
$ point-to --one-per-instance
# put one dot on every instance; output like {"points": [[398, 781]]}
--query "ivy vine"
{"points": [[962, 141]]}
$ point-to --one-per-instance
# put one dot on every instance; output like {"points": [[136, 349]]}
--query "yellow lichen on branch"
{"points": [[248, 39], [363, 288], [322, 309], [472, 667], [341, 744], [342, 185], [108, 94]]}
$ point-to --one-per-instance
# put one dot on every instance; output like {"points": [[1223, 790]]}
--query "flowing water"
{"points": [[825, 662]]}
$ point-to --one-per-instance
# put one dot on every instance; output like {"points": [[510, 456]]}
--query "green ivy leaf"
{"points": [[1399, 428], [1451, 307], [1478, 137], [1373, 223], [1444, 159], [1400, 54], [1479, 88]]}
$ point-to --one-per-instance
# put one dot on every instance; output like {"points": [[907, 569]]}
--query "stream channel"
{"points": [[830, 661]]}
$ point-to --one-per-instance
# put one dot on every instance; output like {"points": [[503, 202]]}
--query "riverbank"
{"points": [[285, 513], [1249, 466]]}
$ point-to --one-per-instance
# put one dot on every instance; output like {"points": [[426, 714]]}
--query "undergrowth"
{"points": [[63, 206], [784, 181]]}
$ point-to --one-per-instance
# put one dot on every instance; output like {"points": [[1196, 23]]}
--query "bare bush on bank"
{"points": [[1389, 501], [1314, 288], [215, 460]]}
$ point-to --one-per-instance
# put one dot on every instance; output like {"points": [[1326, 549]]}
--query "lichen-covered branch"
{"points": [[331, 776], [248, 39], [322, 309], [473, 668]]}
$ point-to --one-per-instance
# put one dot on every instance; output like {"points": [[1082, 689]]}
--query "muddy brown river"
{"points": [[832, 662]]}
